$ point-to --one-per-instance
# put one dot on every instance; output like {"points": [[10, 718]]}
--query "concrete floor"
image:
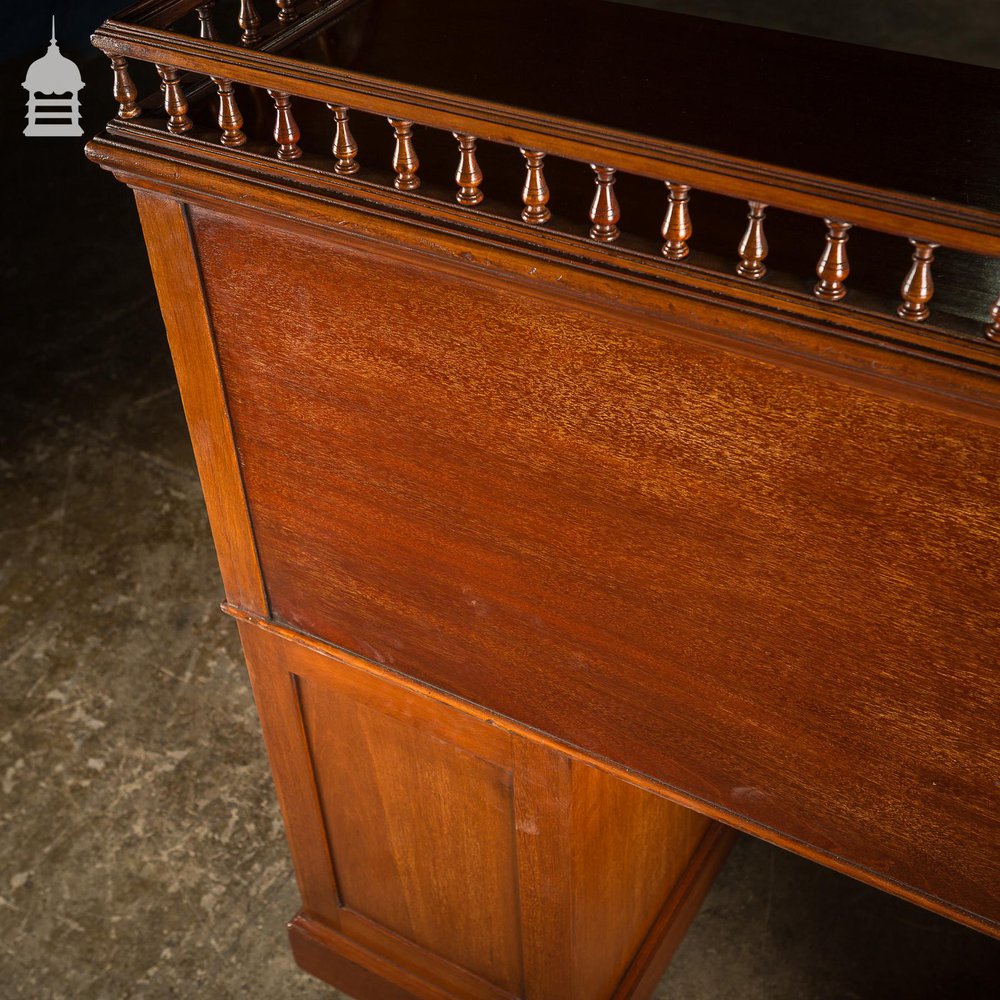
{"points": [[141, 852]]}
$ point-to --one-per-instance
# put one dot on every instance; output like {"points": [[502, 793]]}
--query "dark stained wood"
{"points": [[753, 246], [286, 131], [249, 22], [993, 327], [918, 285], [345, 149], [206, 23], [604, 210], [174, 102], [286, 11], [834, 266], [472, 860], [536, 192], [677, 228], [469, 176], [230, 119], [659, 535], [404, 158], [125, 92]]}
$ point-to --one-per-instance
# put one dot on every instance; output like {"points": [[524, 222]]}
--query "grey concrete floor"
{"points": [[141, 852]]}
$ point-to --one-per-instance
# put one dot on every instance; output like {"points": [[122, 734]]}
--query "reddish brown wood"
{"points": [[230, 119], [345, 149], [535, 194], [993, 327], [249, 22], [753, 246], [174, 102], [404, 157], [564, 880], [918, 286], [286, 11], [834, 266], [286, 131], [775, 456], [469, 176], [206, 23], [677, 227], [604, 211], [181, 294], [125, 92]]}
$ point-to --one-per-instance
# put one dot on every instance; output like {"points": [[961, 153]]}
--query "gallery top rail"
{"points": [[896, 142]]}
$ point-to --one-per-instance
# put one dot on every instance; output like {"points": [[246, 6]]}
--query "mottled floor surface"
{"points": [[141, 853]]}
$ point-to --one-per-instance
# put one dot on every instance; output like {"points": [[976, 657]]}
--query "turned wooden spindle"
{"points": [[230, 119], [753, 246], [286, 11], [833, 267], [249, 22], [677, 227], [345, 149], [206, 26], [404, 157], [124, 90], [469, 176], [535, 194], [604, 210], [286, 131], [174, 102], [918, 286], [993, 327]]}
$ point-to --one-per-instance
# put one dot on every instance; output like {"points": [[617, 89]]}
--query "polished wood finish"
{"points": [[469, 176], [230, 119], [345, 149], [535, 193], [174, 101], [677, 228], [753, 247], [404, 157], [249, 22], [206, 23], [918, 286], [414, 816], [993, 327], [546, 553], [834, 266], [286, 11], [286, 130], [604, 210], [125, 92]]}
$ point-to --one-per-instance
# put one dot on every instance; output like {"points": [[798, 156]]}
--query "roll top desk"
{"points": [[596, 410]]}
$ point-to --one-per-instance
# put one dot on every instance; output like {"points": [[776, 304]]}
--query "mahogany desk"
{"points": [[593, 465]]}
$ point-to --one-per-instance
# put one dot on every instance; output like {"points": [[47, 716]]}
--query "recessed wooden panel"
{"points": [[769, 590], [421, 830]]}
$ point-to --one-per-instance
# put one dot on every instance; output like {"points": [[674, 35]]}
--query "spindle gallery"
{"points": [[593, 472]]}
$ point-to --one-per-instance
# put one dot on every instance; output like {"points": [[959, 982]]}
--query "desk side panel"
{"points": [[772, 592]]}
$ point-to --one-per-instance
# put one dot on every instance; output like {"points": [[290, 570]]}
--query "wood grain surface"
{"points": [[770, 591]]}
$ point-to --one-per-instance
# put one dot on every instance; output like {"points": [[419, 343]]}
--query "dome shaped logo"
{"points": [[53, 84]]}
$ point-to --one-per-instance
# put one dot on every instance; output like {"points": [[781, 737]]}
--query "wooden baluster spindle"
{"points": [[677, 227], [469, 176], [993, 327], [286, 11], [206, 26], [286, 131], [918, 285], [124, 90], [174, 102], [249, 22], [535, 194], [345, 149], [230, 119], [753, 246], [604, 210], [404, 157], [833, 267]]}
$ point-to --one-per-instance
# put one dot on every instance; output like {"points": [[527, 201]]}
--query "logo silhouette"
{"points": [[53, 84]]}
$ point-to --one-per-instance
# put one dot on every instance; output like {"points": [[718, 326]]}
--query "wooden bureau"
{"points": [[594, 467]]}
